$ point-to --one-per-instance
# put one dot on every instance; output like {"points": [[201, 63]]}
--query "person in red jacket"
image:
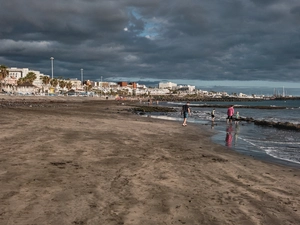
{"points": [[230, 112]]}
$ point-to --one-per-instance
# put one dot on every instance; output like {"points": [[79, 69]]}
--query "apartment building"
{"points": [[17, 73], [167, 85]]}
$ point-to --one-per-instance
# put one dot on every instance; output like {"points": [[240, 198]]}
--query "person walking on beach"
{"points": [[213, 115], [185, 111], [230, 112]]}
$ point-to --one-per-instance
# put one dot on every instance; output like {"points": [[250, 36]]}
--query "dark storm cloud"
{"points": [[209, 40], [265, 2]]}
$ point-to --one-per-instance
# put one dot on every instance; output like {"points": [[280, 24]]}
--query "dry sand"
{"points": [[92, 162]]}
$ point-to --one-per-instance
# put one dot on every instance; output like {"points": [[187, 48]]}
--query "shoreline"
{"points": [[175, 98], [262, 156], [94, 162]]}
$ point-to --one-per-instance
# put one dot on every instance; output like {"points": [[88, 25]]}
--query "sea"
{"points": [[262, 142]]}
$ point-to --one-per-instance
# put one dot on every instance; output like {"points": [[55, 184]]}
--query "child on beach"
{"points": [[213, 115]]}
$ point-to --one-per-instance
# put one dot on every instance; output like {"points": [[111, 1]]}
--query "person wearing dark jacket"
{"points": [[185, 111]]}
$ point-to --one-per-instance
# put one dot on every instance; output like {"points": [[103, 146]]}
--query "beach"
{"points": [[268, 130], [82, 160]]}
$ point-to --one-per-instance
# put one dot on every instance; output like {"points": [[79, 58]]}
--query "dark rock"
{"points": [[153, 109], [279, 125]]}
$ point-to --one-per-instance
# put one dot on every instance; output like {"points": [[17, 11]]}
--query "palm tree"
{"points": [[62, 84], [30, 77], [45, 79], [21, 80], [88, 88], [3, 73], [69, 85], [54, 82]]}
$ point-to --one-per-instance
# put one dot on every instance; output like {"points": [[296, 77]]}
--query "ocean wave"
{"points": [[277, 153], [276, 142]]}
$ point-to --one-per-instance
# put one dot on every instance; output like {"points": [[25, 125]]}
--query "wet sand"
{"points": [[89, 161]]}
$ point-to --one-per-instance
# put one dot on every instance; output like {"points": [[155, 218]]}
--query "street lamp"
{"points": [[52, 67], [81, 76], [101, 87]]}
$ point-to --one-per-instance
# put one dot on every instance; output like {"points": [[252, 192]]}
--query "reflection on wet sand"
{"points": [[230, 131], [228, 138]]}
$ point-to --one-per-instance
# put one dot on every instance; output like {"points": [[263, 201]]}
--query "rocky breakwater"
{"points": [[278, 125], [238, 106], [195, 98], [142, 110], [17, 103]]}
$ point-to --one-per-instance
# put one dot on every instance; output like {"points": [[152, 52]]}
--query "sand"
{"points": [[90, 161]]}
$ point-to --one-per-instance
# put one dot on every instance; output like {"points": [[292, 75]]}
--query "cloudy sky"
{"points": [[170, 39]]}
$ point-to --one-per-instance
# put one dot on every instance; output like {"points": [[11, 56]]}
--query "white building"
{"points": [[141, 86], [242, 95], [158, 91], [16, 73], [187, 88], [75, 83], [167, 85]]}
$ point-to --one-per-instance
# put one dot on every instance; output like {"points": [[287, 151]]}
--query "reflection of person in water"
{"points": [[212, 124], [228, 138], [237, 117], [236, 133]]}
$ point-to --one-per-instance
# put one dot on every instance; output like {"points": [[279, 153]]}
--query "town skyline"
{"points": [[258, 88]]}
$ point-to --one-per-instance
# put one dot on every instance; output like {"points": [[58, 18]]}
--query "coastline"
{"points": [[88, 161], [194, 98]]}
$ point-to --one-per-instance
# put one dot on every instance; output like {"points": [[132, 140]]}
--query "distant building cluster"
{"points": [[11, 85], [87, 87]]}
